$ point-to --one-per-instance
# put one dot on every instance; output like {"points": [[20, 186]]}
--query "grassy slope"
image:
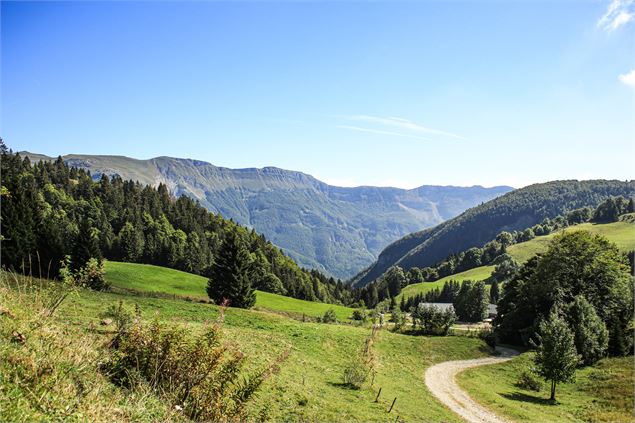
{"points": [[621, 233], [148, 278], [319, 353], [601, 393], [479, 273]]}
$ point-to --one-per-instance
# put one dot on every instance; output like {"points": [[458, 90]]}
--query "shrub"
{"points": [[47, 365], [398, 318], [329, 316], [528, 380], [359, 315], [194, 372], [355, 373], [91, 275], [489, 336], [121, 316]]}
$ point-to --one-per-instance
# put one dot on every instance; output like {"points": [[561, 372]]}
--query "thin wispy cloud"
{"points": [[619, 13], [400, 127], [381, 132], [628, 78]]}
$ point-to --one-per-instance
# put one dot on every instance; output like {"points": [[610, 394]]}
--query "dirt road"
{"points": [[440, 380]]}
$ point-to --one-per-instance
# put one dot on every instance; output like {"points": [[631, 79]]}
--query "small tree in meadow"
{"points": [[556, 357]]}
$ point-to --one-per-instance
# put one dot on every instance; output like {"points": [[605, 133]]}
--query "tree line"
{"points": [[52, 212]]}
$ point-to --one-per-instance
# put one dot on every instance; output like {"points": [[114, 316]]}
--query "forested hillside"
{"points": [[51, 210], [333, 229], [515, 211]]}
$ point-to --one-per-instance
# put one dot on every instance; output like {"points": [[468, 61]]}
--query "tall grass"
{"points": [[51, 369]]}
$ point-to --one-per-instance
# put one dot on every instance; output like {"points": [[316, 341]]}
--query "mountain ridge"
{"points": [[338, 230], [513, 211]]}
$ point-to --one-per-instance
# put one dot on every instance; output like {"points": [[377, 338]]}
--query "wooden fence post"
{"points": [[392, 405]]}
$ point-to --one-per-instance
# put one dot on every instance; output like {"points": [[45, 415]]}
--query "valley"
{"points": [[308, 387], [317, 211], [332, 229], [159, 271]]}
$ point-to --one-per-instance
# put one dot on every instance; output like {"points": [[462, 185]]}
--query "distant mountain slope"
{"points": [[621, 233], [333, 229], [516, 210]]}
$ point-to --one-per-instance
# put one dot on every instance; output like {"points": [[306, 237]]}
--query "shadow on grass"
{"points": [[344, 385], [519, 396]]}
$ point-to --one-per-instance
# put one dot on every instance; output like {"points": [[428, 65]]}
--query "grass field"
{"points": [[308, 387], [601, 393], [621, 233], [148, 278], [477, 274]]}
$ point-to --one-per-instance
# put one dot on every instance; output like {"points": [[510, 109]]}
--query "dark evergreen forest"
{"points": [[51, 211]]}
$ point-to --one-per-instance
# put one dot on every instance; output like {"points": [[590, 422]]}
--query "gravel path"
{"points": [[440, 380]]}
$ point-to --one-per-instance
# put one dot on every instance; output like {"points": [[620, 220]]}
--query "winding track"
{"points": [[440, 380]]}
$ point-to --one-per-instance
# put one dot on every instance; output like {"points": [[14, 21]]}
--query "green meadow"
{"points": [[621, 233], [495, 388], [476, 274], [161, 280], [308, 387]]}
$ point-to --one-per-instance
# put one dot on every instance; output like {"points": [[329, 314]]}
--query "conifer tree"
{"points": [[230, 276], [85, 246]]}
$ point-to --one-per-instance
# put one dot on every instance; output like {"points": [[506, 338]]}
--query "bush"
{"points": [[528, 380], [355, 373], [329, 316], [489, 336], [47, 365], [121, 316], [398, 318], [90, 276], [195, 372], [359, 315]]}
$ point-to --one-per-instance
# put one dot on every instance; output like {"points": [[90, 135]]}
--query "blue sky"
{"points": [[374, 93]]}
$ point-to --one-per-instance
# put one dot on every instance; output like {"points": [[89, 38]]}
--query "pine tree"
{"points": [[229, 275], [556, 356], [85, 246]]}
